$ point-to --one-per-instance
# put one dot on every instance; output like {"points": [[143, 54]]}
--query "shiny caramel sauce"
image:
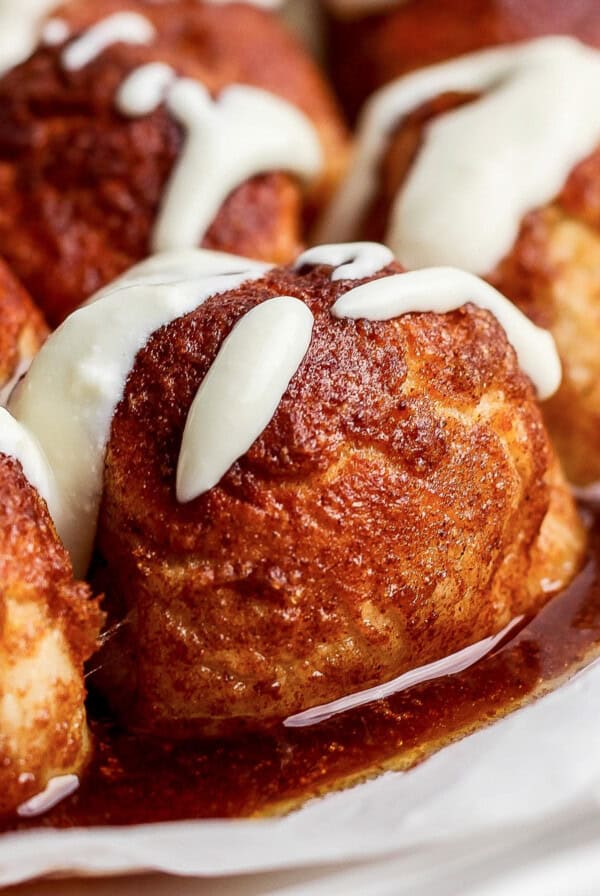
{"points": [[135, 779]]}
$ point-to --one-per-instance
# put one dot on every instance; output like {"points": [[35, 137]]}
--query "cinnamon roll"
{"points": [[491, 162], [297, 482], [143, 127]]}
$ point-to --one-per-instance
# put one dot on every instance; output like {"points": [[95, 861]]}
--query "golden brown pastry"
{"points": [[402, 501], [372, 42], [83, 183], [48, 628], [22, 331], [460, 169]]}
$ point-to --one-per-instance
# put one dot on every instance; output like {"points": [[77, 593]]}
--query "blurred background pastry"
{"points": [[238, 436], [373, 42], [491, 163], [147, 126]]}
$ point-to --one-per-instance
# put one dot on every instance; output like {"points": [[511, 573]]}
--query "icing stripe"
{"points": [[68, 398], [352, 261], [450, 665], [55, 32], [7, 389], [57, 790], [145, 89], [241, 391], [274, 135], [20, 21], [484, 165], [122, 27], [441, 290], [18, 443]]}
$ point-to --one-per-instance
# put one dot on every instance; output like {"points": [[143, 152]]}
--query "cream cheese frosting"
{"points": [[484, 165]]}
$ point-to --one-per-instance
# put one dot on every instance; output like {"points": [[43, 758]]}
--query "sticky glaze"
{"points": [[241, 392], [274, 134], [482, 166], [134, 779]]}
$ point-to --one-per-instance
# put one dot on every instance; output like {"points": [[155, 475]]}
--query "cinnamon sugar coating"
{"points": [[371, 51], [48, 628], [389, 515], [80, 185], [551, 273], [22, 328]]}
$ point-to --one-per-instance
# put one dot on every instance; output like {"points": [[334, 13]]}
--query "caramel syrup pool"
{"points": [[134, 779]]}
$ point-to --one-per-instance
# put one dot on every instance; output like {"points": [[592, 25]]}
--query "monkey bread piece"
{"points": [[22, 331], [402, 502], [453, 158], [48, 628], [375, 41], [154, 127]]}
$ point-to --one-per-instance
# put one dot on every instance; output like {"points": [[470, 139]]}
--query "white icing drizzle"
{"points": [[274, 135], [450, 665], [182, 264], [55, 32], [21, 445], [145, 89], [68, 398], [441, 290], [57, 790], [484, 165], [121, 27], [20, 22], [352, 261], [241, 391], [7, 389]]}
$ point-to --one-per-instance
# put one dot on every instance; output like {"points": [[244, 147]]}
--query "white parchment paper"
{"points": [[534, 772]]}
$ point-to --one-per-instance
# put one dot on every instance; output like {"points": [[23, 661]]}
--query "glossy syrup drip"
{"points": [[137, 779]]}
